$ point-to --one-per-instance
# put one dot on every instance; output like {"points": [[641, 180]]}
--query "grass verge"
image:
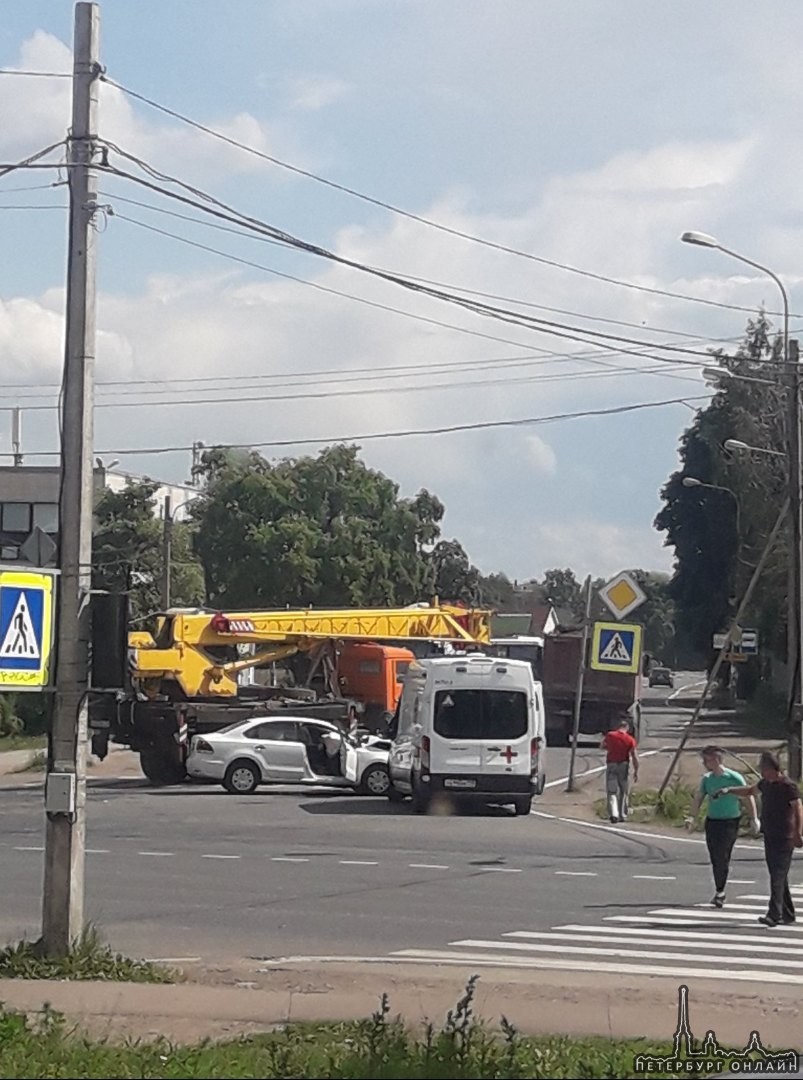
{"points": [[671, 808], [89, 958], [378, 1047], [22, 742]]}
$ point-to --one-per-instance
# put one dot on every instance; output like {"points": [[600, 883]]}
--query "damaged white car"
{"points": [[290, 750]]}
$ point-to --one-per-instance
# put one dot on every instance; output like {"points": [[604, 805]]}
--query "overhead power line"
{"points": [[606, 350], [517, 318], [249, 234], [37, 74], [421, 219], [31, 162], [372, 391], [452, 428]]}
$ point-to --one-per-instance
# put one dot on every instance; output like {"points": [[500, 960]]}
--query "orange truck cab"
{"points": [[373, 674]]}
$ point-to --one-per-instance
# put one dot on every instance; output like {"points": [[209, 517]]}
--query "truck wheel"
{"points": [[523, 804], [375, 781], [242, 778], [162, 765]]}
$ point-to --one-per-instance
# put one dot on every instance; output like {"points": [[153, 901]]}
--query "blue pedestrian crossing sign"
{"points": [[26, 629], [616, 647]]}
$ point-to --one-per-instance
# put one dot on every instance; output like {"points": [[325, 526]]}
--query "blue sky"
{"points": [[583, 131]]}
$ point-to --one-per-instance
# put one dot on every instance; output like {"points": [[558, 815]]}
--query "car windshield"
{"points": [[481, 714]]}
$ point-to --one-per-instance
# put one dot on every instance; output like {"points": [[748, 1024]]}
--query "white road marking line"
{"points": [[760, 935], [678, 919], [220, 856], [633, 832], [287, 858], [97, 851], [157, 854], [761, 907], [358, 862], [427, 866], [631, 954], [740, 881], [23, 847], [654, 877], [500, 870], [670, 938], [597, 769], [711, 914], [469, 959], [577, 873]]}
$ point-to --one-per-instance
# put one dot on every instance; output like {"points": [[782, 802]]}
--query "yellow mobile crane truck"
{"points": [[184, 678]]}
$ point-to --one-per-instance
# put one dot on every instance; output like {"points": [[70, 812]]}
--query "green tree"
{"points": [[717, 545], [455, 577], [562, 589], [322, 531], [127, 551]]}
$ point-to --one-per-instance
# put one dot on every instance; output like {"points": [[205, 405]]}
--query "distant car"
{"points": [[290, 750], [661, 676]]}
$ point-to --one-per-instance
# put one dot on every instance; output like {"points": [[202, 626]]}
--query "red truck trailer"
{"points": [[608, 696]]}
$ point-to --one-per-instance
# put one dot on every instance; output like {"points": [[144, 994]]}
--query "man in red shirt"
{"points": [[621, 750]]}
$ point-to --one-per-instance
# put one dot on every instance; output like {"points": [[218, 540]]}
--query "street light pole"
{"points": [[794, 636]]}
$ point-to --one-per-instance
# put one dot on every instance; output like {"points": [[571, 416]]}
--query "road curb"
{"points": [[573, 1004]]}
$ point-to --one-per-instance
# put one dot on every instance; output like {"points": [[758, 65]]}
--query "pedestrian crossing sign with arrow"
{"points": [[616, 647], [26, 629]]}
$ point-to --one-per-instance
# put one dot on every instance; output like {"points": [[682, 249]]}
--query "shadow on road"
{"points": [[356, 806]]}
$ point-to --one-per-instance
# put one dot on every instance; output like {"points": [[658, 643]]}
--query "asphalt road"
{"points": [[194, 872]]}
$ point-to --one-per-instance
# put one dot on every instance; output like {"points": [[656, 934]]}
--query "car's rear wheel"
{"points": [[242, 778], [375, 781], [523, 804]]}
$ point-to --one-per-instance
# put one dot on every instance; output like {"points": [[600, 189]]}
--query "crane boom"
{"points": [[178, 651]]}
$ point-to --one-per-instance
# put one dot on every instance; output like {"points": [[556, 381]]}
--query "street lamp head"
{"points": [[700, 238], [715, 373], [736, 444], [691, 481]]}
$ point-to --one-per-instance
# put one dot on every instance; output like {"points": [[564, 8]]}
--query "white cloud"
{"points": [[542, 456], [620, 217], [38, 114], [316, 92], [591, 546]]}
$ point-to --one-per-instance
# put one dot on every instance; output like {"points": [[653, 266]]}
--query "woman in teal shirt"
{"points": [[722, 817]]}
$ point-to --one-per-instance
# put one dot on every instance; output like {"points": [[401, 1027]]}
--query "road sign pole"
{"points": [[578, 698], [65, 790]]}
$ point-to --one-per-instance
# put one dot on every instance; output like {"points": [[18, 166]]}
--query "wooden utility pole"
{"points": [[581, 674], [65, 789]]}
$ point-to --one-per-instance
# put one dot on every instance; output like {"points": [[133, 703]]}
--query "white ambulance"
{"points": [[469, 726]]}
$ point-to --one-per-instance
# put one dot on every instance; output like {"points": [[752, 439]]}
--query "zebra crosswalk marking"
{"points": [[678, 942], [670, 942]]}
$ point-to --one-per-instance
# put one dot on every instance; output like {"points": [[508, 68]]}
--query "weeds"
{"points": [[378, 1047], [89, 958]]}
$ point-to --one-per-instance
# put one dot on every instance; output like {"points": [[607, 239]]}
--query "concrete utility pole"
{"points": [[167, 551], [65, 791]]}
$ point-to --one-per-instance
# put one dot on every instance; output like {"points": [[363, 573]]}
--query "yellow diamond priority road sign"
{"points": [[26, 628], [622, 595]]}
